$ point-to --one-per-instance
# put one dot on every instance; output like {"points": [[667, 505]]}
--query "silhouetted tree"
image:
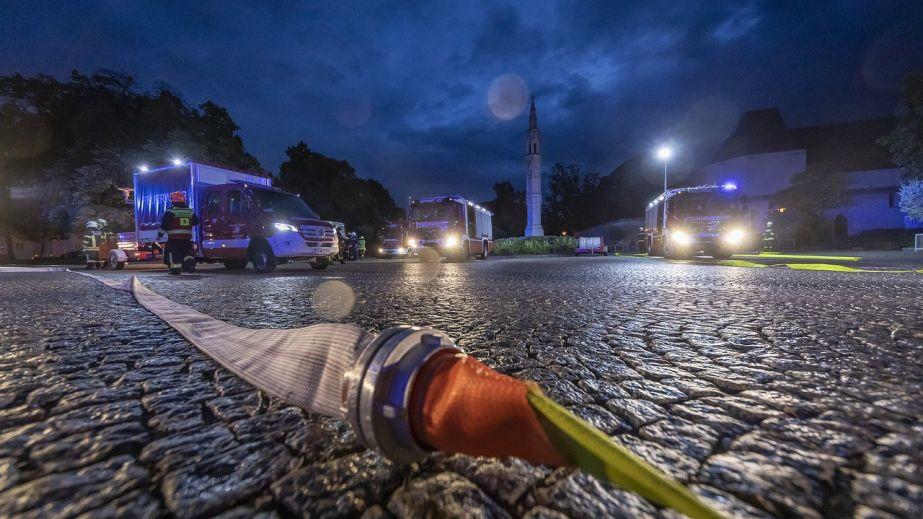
{"points": [[818, 188], [906, 140], [333, 190], [66, 146], [570, 204], [509, 208]]}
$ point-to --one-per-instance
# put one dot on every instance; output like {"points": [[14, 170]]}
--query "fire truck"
{"points": [[453, 226], [242, 217], [712, 220], [392, 241]]}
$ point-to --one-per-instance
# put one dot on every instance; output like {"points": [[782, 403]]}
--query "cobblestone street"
{"points": [[770, 392]]}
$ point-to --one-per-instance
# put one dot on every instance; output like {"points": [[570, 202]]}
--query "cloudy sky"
{"points": [[429, 97]]}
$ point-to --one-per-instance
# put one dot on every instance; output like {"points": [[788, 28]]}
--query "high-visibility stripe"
{"points": [[591, 450]]}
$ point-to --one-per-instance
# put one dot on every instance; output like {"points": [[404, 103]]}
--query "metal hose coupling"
{"points": [[377, 390]]}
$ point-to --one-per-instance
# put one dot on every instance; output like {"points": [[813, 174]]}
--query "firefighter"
{"points": [[362, 246], [353, 245], [177, 224], [92, 237]]}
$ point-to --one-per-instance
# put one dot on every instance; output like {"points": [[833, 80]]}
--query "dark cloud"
{"points": [[400, 89]]}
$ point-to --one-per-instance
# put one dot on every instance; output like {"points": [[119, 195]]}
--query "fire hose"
{"points": [[408, 392]]}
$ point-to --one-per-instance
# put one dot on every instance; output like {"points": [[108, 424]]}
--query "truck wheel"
{"points": [[721, 254], [263, 259], [235, 264], [114, 262], [320, 263], [189, 265]]}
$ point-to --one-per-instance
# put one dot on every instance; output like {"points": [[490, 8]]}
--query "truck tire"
{"points": [[320, 263], [721, 254], [235, 264], [114, 262], [262, 258]]}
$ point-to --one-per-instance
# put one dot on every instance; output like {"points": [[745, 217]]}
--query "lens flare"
{"points": [[507, 96], [333, 300]]}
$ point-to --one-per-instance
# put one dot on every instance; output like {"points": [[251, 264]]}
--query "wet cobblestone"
{"points": [[769, 392]]}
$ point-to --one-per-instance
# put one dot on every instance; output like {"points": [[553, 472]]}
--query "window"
{"points": [[472, 223], [234, 202], [213, 205]]}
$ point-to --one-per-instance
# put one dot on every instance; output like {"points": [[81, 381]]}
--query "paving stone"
{"points": [[78, 450], [671, 461], [504, 480], [582, 496], [778, 489], [71, 493], [600, 418], [890, 494], [451, 494], [345, 486], [695, 440], [653, 391], [638, 412], [216, 482], [602, 390]]}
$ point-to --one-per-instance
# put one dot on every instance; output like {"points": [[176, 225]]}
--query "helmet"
{"points": [[92, 224], [177, 197], [102, 222]]}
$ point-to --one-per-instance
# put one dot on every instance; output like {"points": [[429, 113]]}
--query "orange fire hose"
{"points": [[460, 405]]}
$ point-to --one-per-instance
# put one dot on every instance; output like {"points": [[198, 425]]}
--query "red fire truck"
{"points": [[453, 226], [711, 220]]}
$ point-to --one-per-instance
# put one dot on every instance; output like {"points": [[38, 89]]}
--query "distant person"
{"points": [[353, 247], [343, 245], [362, 246], [177, 224]]}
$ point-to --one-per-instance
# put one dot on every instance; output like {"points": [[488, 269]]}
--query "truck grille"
{"points": [[316, 233]]}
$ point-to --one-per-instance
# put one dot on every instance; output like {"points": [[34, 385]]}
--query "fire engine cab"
{"points": [[453, 226]]}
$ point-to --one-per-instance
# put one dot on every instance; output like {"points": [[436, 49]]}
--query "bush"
{"points": [[529, 246], [911, 203]]}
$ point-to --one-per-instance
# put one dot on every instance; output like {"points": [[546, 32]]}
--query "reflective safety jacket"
{"points": [[91, 241], [178, 222]]}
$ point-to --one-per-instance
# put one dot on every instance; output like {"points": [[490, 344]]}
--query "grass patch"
{"points": [[823, 266], [535, 245], [741, 263], [798, 256]]}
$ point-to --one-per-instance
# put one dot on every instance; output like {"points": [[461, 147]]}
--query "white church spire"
{"points": [[533, 176]]}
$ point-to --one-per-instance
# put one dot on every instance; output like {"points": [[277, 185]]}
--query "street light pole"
{"points": [[664, 153]]}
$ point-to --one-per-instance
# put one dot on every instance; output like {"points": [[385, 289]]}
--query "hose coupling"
{"points": [[377, 390]]}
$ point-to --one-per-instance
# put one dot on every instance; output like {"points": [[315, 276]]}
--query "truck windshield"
{"points": [[703, 204], [391, 233], [282, 204], [434, 211]]}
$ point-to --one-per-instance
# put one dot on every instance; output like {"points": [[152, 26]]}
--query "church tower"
{"points": [[533, 176]]}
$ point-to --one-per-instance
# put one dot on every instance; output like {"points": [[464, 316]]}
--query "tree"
{"points": [[570, 204], [911, 202], [333, 190], [509, 208], [818, 188], [905, 142], [66, 146]]}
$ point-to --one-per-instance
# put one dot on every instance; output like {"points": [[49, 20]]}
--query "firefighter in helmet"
{"points": [[92, 237], [177, 224]]}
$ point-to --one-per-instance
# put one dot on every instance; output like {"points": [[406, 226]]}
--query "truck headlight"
{"points": [[680, 238], [734, 236], [285, 227], [450, 241]]}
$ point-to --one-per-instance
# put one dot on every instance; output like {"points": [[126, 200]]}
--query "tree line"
{"points": [[67, 147]]}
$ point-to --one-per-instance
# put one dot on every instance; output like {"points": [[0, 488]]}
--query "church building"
{"points": [[762, 154]]}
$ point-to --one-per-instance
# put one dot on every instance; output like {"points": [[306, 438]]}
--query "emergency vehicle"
{"points": [[710, 219], [242, 217], [455, 227], [392, 241]]}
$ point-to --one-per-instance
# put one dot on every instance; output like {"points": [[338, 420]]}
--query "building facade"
{"points": [[533, 176], [762, 155]]}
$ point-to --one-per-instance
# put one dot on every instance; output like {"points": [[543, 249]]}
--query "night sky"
{"points": [[428, 97]]}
